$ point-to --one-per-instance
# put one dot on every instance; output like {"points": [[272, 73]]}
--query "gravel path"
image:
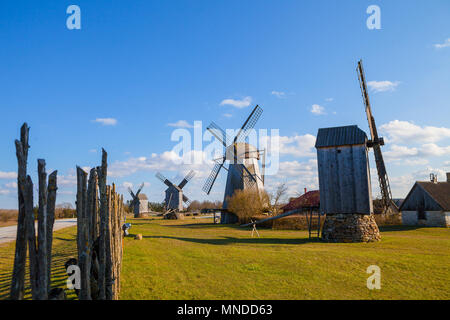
{"points": [[9, 233]]}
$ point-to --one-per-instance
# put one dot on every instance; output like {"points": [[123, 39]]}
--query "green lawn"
{"points": [[193, 259]]}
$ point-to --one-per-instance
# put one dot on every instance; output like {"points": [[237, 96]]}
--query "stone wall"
{"points": [[350, 228]]}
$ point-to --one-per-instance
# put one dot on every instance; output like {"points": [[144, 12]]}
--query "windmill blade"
{"points": [[376, 144], [248, 124], [186, 200], [164, 179], [365, 94], [140, 189], [131, 192], [186, 179], [213, 176], [219, 133]]}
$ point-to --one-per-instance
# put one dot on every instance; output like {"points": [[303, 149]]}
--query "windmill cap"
{"points": [[244, 151], [142, 196], [340, 136]]}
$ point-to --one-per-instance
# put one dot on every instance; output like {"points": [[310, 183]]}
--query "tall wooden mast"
{"points": [[376, 143]]}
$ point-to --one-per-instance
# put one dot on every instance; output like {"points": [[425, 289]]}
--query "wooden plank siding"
{"points": [[344, 175]]}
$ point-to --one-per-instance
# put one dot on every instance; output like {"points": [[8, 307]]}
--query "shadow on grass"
{"points": [[232, 240], [398, 228], [195, 225]]}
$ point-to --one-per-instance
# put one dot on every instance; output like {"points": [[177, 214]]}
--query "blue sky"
{"points": [[147, 64]]}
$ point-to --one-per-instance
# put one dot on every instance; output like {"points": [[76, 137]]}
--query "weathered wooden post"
{"points": [[18, 277], [83, 243], [102, 172], [99, 234], [40, 251], [51, 204]]}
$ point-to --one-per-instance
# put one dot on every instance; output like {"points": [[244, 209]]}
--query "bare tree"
{"points": [[277, 196]]}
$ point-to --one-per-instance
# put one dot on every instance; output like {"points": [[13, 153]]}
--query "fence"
{"points": [[100, 212], [40, 248]]}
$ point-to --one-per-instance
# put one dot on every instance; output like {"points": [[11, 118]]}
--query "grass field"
{"points": [[194, 259]]}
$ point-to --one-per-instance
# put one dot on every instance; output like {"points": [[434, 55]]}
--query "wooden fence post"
{"points": [[108, 243], [18, 276], [51, 202], [83, 235], [102, 173], [99, 225], [42, 261]]}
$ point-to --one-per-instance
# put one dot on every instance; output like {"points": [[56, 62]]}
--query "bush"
{"points": [[248, 203], [388, 219]]}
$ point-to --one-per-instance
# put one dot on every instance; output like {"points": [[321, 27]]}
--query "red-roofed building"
{"points": [[310, 199]]}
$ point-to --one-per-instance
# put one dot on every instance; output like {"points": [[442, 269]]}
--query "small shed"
{"points": [[427, 204], [344, 175]]}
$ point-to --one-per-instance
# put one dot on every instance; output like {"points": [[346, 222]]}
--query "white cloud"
{"points": [[237, 103], [8, 175], [329, 99], [11, 185], [67, 180], [93, 150], [397, 152], [227, 115], [382, 86], [317, 110], [297, 176], [166, 161], [401, 185], [298, 146], [106, 121], [446, 44], [180, 124], [66, 192], [279, 94], [4, 191], [127, 185], [404, 131]]}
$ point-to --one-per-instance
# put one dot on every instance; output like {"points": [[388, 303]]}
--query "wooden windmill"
{"points": [[375, 143], [139, 202], [174, 193], [243, 168]]}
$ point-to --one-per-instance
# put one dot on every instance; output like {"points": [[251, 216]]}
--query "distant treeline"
{"points": [[199, 205]]}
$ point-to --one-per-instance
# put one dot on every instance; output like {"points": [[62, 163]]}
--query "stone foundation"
{"points": [[350, 228]]}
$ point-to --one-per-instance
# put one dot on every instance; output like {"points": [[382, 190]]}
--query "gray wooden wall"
{"points": [[344, 180]]}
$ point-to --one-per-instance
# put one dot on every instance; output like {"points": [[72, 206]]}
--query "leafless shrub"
{"points": [[248, 203]]}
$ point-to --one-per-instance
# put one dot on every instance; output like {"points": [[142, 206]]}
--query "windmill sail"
{"points": [[240, 175], [164, 179], [186, 179], [376, 144], [219, 133], [213, 176], [248, 124]]}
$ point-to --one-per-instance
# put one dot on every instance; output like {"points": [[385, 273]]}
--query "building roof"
{"points": [[439, 192], [307, 200], [142, 196], [340, 136]]}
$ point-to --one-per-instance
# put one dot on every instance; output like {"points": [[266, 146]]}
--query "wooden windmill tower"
{"points": [[375, 143], [139, 202], [243, 168], [174, 193], [344, 178]]}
